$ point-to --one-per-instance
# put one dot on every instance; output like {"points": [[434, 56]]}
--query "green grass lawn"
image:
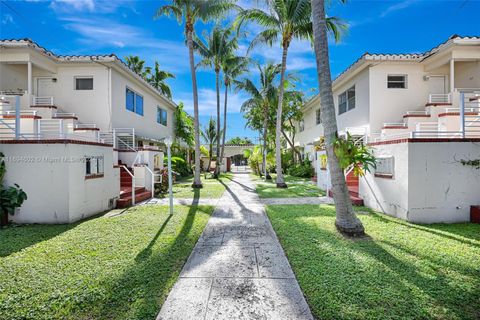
{"points": [[403, 271], [212, 188], [297, 187], [104, 268]]}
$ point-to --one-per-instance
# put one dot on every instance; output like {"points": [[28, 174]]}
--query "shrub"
{"points": [[303, 170], [161, 188], [179, 165], [10, 197]]}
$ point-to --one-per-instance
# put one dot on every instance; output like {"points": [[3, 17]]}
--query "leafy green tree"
{"points": [[209, 135], [189, 12], [285, 21], [157, 80], [218, 44], [184, 125], [240, 140]]}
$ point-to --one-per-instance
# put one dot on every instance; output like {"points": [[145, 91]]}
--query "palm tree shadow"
{"points": [[147, 252]]}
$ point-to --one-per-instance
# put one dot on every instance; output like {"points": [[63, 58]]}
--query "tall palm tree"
{"points": [[135, 64], [261, 99], [232, 67], [189, 12], [157, 80], [285, 21], [209, 134], [346, 221], [218, 44]]}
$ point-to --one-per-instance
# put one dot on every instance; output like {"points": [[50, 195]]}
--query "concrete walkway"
{"points": [[238, 269], [304, 200]]}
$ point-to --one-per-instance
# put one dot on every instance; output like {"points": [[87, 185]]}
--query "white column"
{"points": [[452, 76], [29, 84]]}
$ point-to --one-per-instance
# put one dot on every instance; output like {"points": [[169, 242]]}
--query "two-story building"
{"points": [[420, 113], [91, 110]]}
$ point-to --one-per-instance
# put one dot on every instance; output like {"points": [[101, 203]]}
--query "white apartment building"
{"points": [[91, 110], [421, 115]]}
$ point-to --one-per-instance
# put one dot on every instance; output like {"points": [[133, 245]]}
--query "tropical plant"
{"points": [[232, 67], [285, 21], [352, 154], [11, 197], [346, 221], [179, 165], [189, 12], [255, 158], [209, 135], [157, 80], [239, 140], [219, 44], [302, 170], [137, 65], [184, 128], [258, 108]]}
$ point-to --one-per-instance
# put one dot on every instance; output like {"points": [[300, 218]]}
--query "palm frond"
{"points": [[268, 37]]}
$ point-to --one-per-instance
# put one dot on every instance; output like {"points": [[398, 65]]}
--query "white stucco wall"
{"points": [[53, 176], [429, 185], [389, 104], [147, 124]]}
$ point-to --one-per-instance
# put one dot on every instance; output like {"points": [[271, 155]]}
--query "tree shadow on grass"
{"points": [[467, 233], [146, 282], [15, 238], [363, 279]]}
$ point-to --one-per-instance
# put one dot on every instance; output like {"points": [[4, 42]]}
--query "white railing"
{"points": [[426, 126], [395, 124], [133, 183], [85, 126], [22, 113], [457, 110], [50, 128], [64, 114], [153, 175], [417, 113], [42, 101], [124, 139], [439, 98]]}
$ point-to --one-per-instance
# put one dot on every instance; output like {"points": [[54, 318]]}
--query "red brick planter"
{"points": [[475, 214]]}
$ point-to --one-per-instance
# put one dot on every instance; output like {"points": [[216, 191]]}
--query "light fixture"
{"points": [[168, 141]]}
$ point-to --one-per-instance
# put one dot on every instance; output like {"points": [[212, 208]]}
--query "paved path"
{"points": [[304, 200], [238, 269], [184, 202]]}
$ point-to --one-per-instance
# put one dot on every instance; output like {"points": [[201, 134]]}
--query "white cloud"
{"points": [[77, 5], [396, 7], [207, 101]]}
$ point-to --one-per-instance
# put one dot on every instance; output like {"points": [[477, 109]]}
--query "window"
{"points": [[346, 100], [318, 117], [162, 116], [94, 166], [397, 81], [384, 167], [134, 102], [301, 125], [83, 83]]}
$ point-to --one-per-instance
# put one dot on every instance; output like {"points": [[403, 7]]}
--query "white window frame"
{"points": [[160, 109], [405, 80], [75, 78], [349, 105], [385, 166], [97, 166], [135, 94]]}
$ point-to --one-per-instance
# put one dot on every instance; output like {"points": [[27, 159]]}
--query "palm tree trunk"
{"points": [[197, 183], [265, 125], [278, 148], [224, 122], [346, 221], [218, 162]]}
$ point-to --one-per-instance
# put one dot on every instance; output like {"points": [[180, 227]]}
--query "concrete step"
{"points": [[126, 200]]}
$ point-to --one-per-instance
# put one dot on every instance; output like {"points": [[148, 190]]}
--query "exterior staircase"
{"points": [[141, 194], [352, 185]]}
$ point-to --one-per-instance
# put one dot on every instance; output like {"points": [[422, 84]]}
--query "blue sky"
{"points": [[70, 27]]}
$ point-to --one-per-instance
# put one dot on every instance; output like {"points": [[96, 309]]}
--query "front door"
{"points": [[45, 87], [437, 84]]}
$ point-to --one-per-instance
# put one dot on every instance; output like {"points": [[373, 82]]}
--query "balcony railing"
{"points": [[439, 98], [42, 101]]}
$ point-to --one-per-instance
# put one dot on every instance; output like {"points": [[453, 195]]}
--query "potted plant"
{"points": [[11, 197]]}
